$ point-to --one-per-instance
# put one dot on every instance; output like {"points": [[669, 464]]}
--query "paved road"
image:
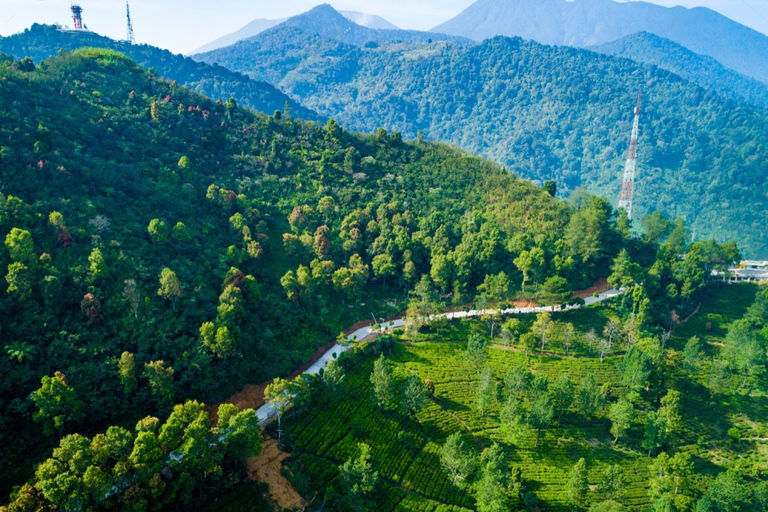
{"points": [[266, 411]]}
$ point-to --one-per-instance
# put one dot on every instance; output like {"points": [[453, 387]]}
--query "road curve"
{"points": [[267, 411]]}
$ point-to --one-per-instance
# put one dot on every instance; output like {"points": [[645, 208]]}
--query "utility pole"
{"points": [[628, 187]]}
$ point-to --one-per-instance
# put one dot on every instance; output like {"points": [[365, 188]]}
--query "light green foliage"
{"points": [[126, 367], [20, 246], [240, 430], [491, 487], [170, 287], [415, 394], [158, 231], [457, 459], [160, 381], [612, 482], [607, 506], [333, 376], [57, 403], [621, 415], [97, 267], [486, 391], [19, 279], [358, 478], [577, 486], [591, 397], [477, 351], [383, 386]]}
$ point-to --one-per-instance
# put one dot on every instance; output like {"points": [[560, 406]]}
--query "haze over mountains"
{"points": [[583, 23], [258, 26]]}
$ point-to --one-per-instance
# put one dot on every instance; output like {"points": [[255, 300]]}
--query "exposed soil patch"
{"points": [[252, 395], [525, 303], [600, 286], [266, 468]]}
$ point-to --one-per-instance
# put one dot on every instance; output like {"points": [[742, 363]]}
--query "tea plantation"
{"points": [[718, 429]]}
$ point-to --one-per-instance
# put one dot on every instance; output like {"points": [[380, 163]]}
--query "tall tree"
{"points": [[577, 486], [621, 414], [457, 460], [358, 478], [383, 387], [170, 287]]}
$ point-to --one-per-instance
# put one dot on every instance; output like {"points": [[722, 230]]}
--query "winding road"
{"points": [[267, 411]]}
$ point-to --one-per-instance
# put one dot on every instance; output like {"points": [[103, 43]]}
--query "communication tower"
{"points": [[77, 16], [628, 187], [130, 38]]}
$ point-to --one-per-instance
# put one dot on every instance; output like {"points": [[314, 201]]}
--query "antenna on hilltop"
{"points": [[130, 38], [628, 187], [77, 16]]}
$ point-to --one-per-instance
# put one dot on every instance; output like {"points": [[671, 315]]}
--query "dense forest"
{"points": [[546, 113], [702, 70], [160, 248], [42, 41]]}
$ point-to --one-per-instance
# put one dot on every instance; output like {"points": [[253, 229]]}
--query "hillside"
{"points": [[160, 247], [325, 21], [543, 112], [457, 419], [43, 41], [584, 23], [258, 26], [704, 71]]}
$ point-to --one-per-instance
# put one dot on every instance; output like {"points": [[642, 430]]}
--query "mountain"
{"points": [[699, 69], [582, 23], [369, 20], [43, 41], [258, 26], [325, 21], [160, 246], [544, 112]]}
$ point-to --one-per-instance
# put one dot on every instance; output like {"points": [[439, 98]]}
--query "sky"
{"points": [[184, 25]]}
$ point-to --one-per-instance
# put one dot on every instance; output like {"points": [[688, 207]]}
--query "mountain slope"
{"points": [[111, 175], [699, 69], [253, 28], [545, 113], [258, 26], [583, 23], [43, 41]]}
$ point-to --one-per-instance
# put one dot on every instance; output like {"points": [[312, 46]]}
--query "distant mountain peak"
{"points": [[583, 23]]}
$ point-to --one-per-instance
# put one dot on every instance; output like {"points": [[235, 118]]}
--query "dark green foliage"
{"points": [[543, 112]]}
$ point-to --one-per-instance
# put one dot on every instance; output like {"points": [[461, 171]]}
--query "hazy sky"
{"points": [[184, 25]]}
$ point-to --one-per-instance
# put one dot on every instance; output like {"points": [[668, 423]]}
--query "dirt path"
{"points": [[266, 468]]}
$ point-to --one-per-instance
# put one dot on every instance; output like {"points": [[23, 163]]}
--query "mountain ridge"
{"points": [[700, 69], [583, 23], [259, 25]]}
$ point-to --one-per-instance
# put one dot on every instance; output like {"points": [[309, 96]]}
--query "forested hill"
{"points": [[160, 246], [592, 22], [699, 69], [43, 41], [545, 113]]}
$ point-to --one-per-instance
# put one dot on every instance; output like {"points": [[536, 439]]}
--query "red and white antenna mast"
{"points": [[77, 16], [628, 187]]}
